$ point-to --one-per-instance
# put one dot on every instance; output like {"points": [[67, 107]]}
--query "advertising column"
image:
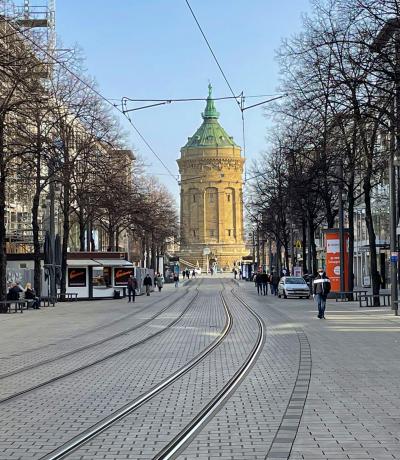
{"points": [[333, 258]]}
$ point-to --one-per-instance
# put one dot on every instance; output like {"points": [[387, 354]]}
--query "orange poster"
{"points": [[333, 258]]}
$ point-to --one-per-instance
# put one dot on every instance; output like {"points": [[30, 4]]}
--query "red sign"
{"points": [[121, 276], [333, 259]]}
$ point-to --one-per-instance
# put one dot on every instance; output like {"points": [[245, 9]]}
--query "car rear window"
{"points": [[295, 280]]}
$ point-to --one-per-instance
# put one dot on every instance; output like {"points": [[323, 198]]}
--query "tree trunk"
{"points": [[65, 240], [82, 230], [350, 261], [37, 271], [304, 244], [3, 256], [110, 237], [372, 239]]}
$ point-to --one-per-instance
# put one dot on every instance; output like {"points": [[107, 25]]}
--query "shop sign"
{"points": [[77, 277]]}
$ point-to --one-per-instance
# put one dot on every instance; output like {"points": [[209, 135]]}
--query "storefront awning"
{"points": [[113, 262], [82, 263]]}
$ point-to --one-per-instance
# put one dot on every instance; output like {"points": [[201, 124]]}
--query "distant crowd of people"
{"points": [[264, 279]]}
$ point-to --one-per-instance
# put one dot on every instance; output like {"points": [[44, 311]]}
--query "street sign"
{"points": [[298, 244], [206, 251], [394, 257]]}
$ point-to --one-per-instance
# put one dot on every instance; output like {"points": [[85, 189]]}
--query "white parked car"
{"points": [[293, 286]]}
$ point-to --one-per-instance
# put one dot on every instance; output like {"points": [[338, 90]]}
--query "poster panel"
{"points": [[121, 276], [333, 259], [77, 277]]}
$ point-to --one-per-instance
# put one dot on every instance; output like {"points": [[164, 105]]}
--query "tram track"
{"points": [[110, 355], [186, 435], [97, 328], [98, 342]]}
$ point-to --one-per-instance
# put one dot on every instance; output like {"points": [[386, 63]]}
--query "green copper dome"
{"points": [[210, 133]]}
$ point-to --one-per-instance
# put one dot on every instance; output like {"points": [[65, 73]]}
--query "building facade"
{"points": [[211, 168]]}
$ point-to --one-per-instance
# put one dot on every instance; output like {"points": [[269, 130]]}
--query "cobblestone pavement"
{"points": [[351, 409], [36, 423], [72, 325], [47, 371]]}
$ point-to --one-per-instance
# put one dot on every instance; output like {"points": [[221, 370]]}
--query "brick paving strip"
{"points": [[283, 441]]}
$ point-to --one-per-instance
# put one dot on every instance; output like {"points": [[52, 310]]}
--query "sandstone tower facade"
{"points": [[211, 169]]}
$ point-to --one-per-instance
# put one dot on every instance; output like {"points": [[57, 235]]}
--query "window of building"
{"points": [[229, 232], [211, 198], [228, 197], [212, 233], [194, 232], [194, 198], [101, 277]]}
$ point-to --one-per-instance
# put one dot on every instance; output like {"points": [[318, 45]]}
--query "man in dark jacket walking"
{"points": [[321, 289], [132, 286], [147, 282]]}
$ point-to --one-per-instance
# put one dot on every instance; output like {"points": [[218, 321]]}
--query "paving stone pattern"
{"points": [[66, 320], [167, 414], [249, 421], [65, 408], [352, 409], [45, 372]]}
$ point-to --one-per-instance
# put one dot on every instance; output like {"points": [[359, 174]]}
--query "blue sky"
{"points": [[153, 49]]}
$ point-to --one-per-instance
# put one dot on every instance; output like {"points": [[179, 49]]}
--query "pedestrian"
{"points": [[240, 274], [187, 273], [274, 283], [193, 273], [264, 281], [258, 281], [321, 289], [211, 271], [30, 294], [159, 282], [132, 286], [14, 291], [234, 273], [176, 280], [148, 283]]}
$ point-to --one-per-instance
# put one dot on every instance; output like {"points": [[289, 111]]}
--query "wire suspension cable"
{"points": [[212, 52]]}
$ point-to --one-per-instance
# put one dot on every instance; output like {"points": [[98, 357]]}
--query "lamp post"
{"points": [[341, 229], [390, 29]]}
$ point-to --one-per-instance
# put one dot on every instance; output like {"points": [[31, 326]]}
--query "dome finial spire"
{"points": [[210, 111]]}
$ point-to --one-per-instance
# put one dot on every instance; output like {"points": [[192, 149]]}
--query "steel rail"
{"points": [[100, 360], [189, 432], [84, 437], [98, 342]]}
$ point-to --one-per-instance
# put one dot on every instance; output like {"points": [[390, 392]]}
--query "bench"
{"points": [[46, 301], [18, 305], [67, 296], [367, 300], [346, 296]]}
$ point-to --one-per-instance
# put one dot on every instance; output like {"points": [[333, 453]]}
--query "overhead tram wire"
{"points": [[94, 90], [242, 98]]}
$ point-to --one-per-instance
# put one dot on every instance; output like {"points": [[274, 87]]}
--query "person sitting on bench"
{"points": [[30, 294]]}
